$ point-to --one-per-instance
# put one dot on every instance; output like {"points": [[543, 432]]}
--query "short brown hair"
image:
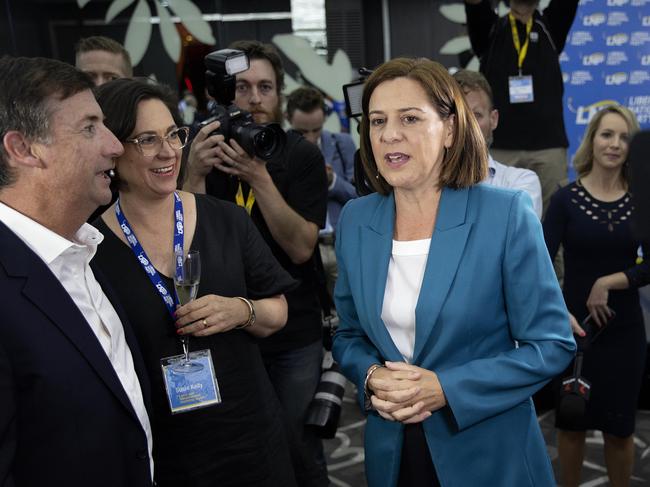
{"points": [[27, 85], [260, 50], [119, 100], [474, 81], [306, 99], [583, 161], [101, 43], [465, 162]]}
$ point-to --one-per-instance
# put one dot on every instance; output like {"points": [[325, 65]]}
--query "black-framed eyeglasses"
{"points": [[150, 145]]}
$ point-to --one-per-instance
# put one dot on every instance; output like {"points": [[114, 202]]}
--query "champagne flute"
{"points": [[187, 276]]}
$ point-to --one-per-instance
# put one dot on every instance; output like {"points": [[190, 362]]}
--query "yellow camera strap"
{"points": [[250, 199]]}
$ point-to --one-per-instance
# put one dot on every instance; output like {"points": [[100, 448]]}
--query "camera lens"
{"points": [[264, 142]]}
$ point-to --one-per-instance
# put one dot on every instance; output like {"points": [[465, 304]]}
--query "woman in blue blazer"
{"points": [[450, 313]]}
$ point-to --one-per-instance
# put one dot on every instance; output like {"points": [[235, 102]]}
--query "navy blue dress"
{"points": [[597, 241]]}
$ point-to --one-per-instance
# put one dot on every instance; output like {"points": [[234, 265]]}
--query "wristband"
{"points": [[251, 313], [366, 391]]}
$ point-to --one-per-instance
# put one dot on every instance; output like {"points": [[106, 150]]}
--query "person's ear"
{"points": [[450, 125], [21, 151], [494, 118]]}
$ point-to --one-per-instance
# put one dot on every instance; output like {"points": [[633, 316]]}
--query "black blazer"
{"points": [[64, 416]]}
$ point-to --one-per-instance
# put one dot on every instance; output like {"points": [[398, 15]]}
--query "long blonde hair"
{"points": [[584, 159]]}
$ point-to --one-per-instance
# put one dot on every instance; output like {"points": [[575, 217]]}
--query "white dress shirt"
{"points": [[403, 283], [516, 178], [69, 262]]}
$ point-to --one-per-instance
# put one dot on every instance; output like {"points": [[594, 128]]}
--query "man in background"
{"points": [[519, 56], [479, 98], [73, 386], [103, 59], [306, 114], [286, 197]]}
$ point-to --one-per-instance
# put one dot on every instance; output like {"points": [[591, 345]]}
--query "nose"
{"points": [[391, 131], [254, 98], [312, 137], [166, 150], [615, 142], [112, 146]]}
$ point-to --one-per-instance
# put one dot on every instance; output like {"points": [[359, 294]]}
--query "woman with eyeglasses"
{"points": [[220, 426]]}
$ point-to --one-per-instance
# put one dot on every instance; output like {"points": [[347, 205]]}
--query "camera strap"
{"points": [[250, 199]]}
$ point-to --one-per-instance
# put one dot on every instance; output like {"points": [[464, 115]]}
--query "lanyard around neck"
{"points": [[170, 299], [521, 51], [250, 199]]}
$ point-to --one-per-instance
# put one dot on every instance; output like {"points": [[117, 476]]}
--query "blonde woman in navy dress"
{"points": [[591, 219]]}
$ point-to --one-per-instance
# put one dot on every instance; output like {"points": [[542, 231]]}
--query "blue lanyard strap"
{"points": [[170, 299]]}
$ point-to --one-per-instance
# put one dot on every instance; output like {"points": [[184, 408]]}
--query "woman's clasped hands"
{"points": [[405, 393]]}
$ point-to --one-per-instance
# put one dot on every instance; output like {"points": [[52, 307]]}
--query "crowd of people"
{"points": [[451, 314]]}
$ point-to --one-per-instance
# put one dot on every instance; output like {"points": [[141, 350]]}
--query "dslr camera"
{"points": [[262, 141]]}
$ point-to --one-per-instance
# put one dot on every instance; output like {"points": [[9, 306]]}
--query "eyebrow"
{"points": [[400, 110], [90, 118], [167, 130], [259, 82]]}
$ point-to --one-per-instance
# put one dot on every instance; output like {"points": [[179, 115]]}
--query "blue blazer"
{"points": [[338, 151], [65, 418], [490, 321]]}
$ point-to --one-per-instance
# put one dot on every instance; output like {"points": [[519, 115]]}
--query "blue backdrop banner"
{"points": [[606, 60]]}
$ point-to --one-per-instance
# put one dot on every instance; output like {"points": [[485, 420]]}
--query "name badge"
{"points": [[194, 390], [521, 89]]}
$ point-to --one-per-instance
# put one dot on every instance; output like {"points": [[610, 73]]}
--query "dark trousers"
{"points": [[295, 375], [416, 468]]}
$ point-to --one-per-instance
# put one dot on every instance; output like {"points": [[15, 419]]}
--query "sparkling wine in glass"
{"points": [[187, 276]]}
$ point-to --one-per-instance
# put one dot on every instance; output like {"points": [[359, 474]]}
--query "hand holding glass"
{"points": [[187, 276]]}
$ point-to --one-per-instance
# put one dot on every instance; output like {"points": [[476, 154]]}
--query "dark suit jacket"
{"points": [[64, 416], [338, 151]]}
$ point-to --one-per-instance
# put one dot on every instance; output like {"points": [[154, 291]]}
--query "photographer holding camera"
{"points": [[286, 196]]}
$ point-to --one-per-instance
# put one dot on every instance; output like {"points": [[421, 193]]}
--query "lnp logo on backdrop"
{"points": [[585, 113], [616, 3], [594, 20], [617, 39], [593, 59], [615, 79]]}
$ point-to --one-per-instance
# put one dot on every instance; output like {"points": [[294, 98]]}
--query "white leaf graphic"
{"points": [[290, 84], [327, 77], [473, 64], [170, 36], [138, 33], [192, 19], [454, 12], [456, 45], [116, 7], [82, 3]]}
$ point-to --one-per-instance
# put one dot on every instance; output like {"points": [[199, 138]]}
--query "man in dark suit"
{"points": [[72, 383]]}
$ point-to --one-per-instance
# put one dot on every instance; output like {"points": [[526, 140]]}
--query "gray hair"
{"points": [[27, 85]]}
